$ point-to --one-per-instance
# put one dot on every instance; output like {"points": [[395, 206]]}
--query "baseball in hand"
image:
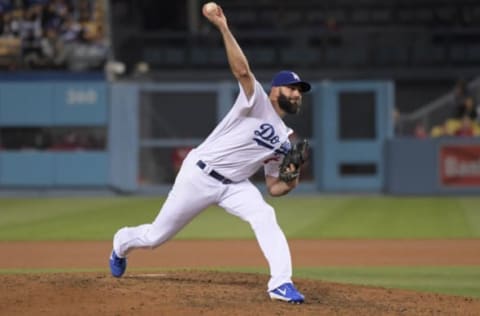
{"points": [[210, 8]]}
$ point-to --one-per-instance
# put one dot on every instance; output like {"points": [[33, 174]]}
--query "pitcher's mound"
{"points": [[208, 293]]}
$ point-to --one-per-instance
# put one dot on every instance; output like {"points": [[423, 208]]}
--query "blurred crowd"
{"points": [[52, 34], [464, 119], [53, 138]]}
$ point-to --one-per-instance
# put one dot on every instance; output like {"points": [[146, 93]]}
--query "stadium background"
{"points": [[384, 74], [390, 159]]}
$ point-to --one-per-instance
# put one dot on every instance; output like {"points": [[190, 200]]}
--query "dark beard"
{"points": [[287, 106]]}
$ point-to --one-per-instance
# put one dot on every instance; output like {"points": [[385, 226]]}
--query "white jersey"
{"points": [[250, 136]]}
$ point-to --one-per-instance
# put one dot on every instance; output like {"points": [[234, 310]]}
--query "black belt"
{"points": [[214, 174]]}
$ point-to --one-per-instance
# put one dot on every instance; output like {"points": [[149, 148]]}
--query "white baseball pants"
{"points": [[193, 191]]}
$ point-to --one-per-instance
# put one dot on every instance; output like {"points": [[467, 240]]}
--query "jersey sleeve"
{"points": [[243, 105], [272, 168]]}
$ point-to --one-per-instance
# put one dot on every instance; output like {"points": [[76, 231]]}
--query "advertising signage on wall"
{"points": [[460, 165]]}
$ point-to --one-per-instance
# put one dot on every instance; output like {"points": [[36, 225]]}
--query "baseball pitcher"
{"points": [[252, 135]]}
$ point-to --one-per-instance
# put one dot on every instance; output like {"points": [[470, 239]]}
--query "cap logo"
{"points": [[295, 76]]}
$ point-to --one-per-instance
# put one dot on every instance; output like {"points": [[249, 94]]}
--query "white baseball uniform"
{"points": [[217, 172]]}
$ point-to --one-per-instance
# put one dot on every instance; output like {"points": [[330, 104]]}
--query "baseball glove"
{"points": [[296, 156]]}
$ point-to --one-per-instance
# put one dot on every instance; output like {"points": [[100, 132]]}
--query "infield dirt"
{"points": [[196, 292]]}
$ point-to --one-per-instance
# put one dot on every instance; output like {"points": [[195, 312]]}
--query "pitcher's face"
{"points": [[290, 99]]}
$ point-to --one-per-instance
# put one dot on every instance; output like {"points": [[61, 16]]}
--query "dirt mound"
{"points": [[208, 293], [187, 292]]}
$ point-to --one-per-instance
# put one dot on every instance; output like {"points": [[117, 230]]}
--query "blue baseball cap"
{"points": [[287, 78]]}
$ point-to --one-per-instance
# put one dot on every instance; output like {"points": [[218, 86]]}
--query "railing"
{"points": [[433, 113]]}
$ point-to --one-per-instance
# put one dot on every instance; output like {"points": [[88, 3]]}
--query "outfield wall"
{"points": [[50, 102], [443, 166], [349, 126]]}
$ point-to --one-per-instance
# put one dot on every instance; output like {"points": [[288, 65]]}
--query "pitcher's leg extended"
{"points": [[192, 192], [175, 213]]}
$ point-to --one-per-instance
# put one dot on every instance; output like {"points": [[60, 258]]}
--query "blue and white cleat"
{"points": [[288, 293], [117, 265]]}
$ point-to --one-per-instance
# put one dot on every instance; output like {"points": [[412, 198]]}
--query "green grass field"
{"points": [[311, 217], [301, 217]]}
